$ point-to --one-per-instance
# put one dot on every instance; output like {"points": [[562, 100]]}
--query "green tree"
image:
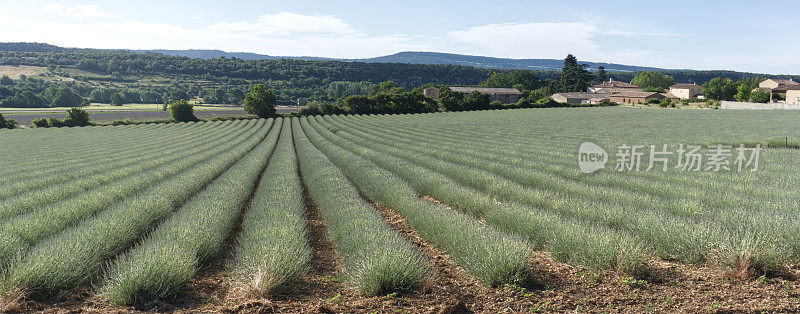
{"points": [[7, 81], [182, 111], [520, 79], [359, 104], [151, 97], [388, 87], [118, 99], [178, 94], [260, 101], [602, 76], [451, 101], [720, 88], [743, 93], [653, 81], [77, 117], [477, 101], [7, 123], [66, 97], [236, 96], [220, 96], [759, 95], [574, 77]]}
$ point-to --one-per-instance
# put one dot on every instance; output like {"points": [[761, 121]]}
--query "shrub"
{"points": [[607, 103], [7, 123], [77, 117], [260, 102], [547, 102], [653, 101], [451, 101], [315, 108], [759, 95], [55, 122], [41, 122], [496, 105], [182, 111]]}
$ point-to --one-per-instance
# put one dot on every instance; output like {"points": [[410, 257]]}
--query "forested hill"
{"points": [[105, 72], [415, 57], [497, 63]]}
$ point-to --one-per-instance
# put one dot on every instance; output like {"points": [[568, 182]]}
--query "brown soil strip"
{"points": [[478, 217]]}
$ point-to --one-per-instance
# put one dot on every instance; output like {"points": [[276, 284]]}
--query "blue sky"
{"points": [[728, 35]]}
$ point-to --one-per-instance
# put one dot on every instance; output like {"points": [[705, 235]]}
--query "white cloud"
{"points": [[620, 32], [285, 23], [54, 7], [86, 12], [300, 36], [530, 40], [79, 11]]}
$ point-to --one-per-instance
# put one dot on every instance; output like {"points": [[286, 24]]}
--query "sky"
{"points": [[720, 35]]}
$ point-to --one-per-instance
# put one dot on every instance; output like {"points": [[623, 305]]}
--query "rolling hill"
{"points": [[416, 57]]}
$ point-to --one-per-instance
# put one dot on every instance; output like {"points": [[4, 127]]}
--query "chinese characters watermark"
{"points": [[686, 158]]}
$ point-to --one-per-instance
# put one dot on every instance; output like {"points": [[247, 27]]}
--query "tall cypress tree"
{"points": [[602, 76], [574, 77]]}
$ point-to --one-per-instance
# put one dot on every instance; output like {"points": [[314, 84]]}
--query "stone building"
{"points": [[635, 97], [503, 95]]}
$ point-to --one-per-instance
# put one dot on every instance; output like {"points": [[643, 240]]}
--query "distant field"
{"points": [[138, 112], [485, 211], [15, 71]]}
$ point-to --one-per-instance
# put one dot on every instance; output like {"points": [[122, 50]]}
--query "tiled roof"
{"points": [[684, 86], [485, 90], [583, 95], [785, 82], [670, 95], [617, 84]]}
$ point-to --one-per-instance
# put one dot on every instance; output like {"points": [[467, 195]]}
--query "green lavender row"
{"points": [[490, 255], [76, 255], [376, 258], [273, 248], [170, 255]]}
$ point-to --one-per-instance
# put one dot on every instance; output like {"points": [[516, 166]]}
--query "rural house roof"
{"points": [[785, 81], [635, 94], [579, 95], [485, 90], [670, 95], [616, 84], [684, 86]]}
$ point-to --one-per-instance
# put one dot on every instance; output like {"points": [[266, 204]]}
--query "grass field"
{"points": [[486, 211]]}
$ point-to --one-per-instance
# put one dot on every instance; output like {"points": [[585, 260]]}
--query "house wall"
{"points": [[685, 93], [632, 100], [793, 96], [505, 98], [628, 100], [431, 92]]}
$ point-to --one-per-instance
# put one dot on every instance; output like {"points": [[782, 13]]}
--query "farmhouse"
{"points": [[635, 97], [612, 86], [685, 91], [503, 95], [777, 87], [580, 98]]}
